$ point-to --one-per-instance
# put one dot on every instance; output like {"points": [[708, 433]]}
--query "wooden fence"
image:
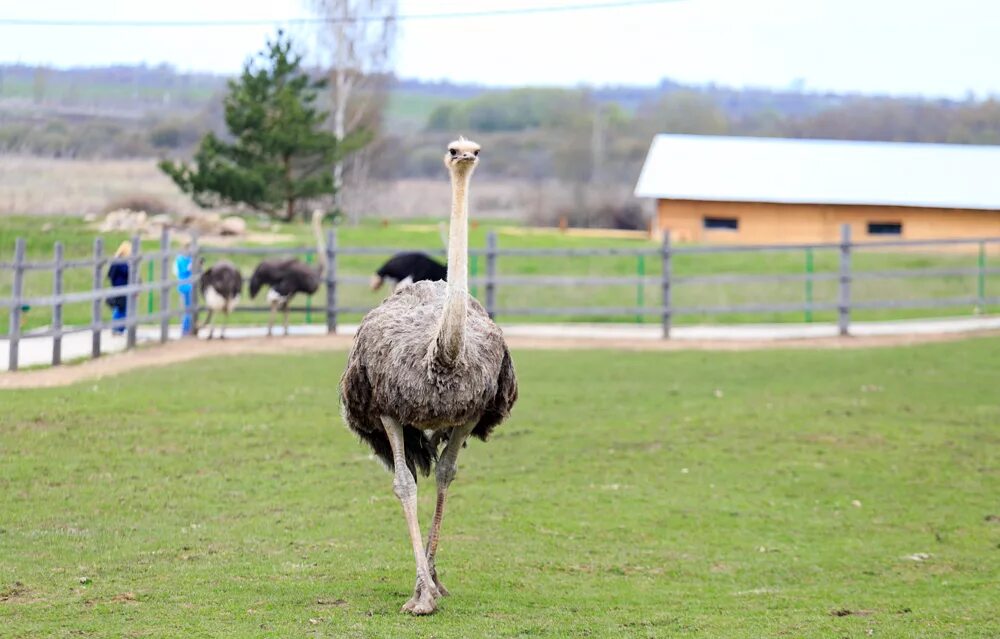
{"points": [[667, 281]]}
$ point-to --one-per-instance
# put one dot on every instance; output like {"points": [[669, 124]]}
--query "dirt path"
{"points": [[187, 350]]}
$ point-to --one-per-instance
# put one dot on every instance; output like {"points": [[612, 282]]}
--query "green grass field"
{"points": [[688, 494], [78, 240]]}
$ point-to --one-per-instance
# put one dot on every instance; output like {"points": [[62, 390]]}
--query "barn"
{"points": [[713, 189]]}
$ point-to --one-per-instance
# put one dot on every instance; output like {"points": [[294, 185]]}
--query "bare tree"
{"points": [[356, 42]]}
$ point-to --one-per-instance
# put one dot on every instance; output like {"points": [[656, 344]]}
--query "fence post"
{"points": [[95, 313], [809, 285], [164, 285], [473, 274], [331, 281], [640, 289], [132, 301], [195, 251], [150, 277], [844, 304], [57, 308], [491, 274], [981, 280], [14, 329], [665, 277], [309, 298]]}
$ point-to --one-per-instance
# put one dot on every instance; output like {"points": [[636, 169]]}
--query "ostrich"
{"points": [[221, 287], [406, 268], [429, 368], [285, 278]]}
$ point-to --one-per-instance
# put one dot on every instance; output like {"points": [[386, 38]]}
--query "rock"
{"points": [[233, 225], [124, 220], [46, 227]]}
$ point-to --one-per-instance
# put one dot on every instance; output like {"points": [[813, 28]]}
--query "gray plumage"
{"points": [[429, 368], [393, 370]]}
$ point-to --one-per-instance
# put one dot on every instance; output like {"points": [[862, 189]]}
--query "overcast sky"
{"points": [[929, 47]]}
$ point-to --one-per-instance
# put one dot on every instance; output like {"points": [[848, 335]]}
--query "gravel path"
{"points": [[312, 338]]}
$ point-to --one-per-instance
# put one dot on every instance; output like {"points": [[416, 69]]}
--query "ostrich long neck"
{"points": [[452, 332], [317, 225]]}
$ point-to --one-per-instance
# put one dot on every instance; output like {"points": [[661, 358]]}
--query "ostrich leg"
{"points": [[446, 468], [209, 324], [405, 486], [270, 317], [286, 319], [225, 323]]}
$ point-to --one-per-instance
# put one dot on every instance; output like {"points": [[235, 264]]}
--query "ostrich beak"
{"points": [[376, 282]]}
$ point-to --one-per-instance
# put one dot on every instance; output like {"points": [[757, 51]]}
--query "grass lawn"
{"points": [[78, 240], [631, 495]]}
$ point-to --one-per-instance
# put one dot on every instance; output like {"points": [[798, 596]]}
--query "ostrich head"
{"points": [[256, 281], [462, 156]]}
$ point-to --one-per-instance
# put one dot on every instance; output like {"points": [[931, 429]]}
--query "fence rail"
{"points": [[490, 282]]}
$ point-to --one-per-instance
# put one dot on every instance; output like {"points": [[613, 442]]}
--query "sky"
{"points": [[899, 47]]}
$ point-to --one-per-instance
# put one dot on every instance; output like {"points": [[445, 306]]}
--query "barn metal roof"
{"points": [[731, 169]]}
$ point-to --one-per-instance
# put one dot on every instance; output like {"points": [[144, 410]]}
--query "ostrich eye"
{"points": [[476, 153], [453, 152]]}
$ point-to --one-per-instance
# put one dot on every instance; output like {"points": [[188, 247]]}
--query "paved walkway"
{"points": [[38, 351]]}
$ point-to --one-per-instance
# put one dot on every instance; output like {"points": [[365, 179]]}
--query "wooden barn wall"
{"points": [[775, 223]]}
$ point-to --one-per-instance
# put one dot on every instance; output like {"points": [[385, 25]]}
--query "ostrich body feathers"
{"points": [[286, 278], [415, 266], [221, 286], [394, 370]]}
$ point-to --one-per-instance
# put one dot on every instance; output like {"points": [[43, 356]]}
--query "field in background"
{"points": [[424, 234], [805, 494], [45, 186]]}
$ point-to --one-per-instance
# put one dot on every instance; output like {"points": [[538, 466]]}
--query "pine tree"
{"points": [[279, 152]]}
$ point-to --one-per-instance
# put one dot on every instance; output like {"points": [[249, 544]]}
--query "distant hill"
{"points": [[142, 111], [141, 91]]}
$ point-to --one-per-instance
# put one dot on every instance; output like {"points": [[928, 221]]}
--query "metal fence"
{"points": [[490, 282]]}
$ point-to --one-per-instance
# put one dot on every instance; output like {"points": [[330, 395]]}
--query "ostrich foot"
{"points": [[423, 601], [442, 591]]}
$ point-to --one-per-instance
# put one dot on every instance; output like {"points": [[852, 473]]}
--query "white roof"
{"points": [[731, 169]]}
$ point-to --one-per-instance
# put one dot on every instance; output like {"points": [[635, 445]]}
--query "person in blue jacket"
{"points": [[118, 276], [182, 269]]}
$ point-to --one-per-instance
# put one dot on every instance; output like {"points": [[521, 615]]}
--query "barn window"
{"points": [[720, 223], [885, 228]]}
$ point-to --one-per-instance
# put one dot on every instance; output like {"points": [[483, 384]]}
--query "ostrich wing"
{"points": [[364, 420], [499, 409], [224, 278]]}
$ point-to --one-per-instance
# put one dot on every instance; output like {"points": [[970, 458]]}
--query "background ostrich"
{"points": [[406, 268], [285, 278], [221, 287], [427, 369]]}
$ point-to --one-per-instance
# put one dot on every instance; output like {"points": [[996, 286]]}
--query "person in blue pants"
{"points": [[182, 269], [118, 276]]}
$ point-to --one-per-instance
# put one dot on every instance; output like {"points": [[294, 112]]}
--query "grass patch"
{"points": [[641, 495], [78, 239]]}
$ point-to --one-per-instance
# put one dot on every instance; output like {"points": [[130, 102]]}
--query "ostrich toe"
{"points": [[423, 601], [442, 591]]}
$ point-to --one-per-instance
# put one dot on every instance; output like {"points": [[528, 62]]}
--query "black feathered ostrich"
{"points": [[406, 268], [427, 369], [221, 287], [286, 278]]}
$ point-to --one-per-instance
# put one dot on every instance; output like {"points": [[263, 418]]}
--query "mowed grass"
{"points": [[424, 235], [686, 494]]}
